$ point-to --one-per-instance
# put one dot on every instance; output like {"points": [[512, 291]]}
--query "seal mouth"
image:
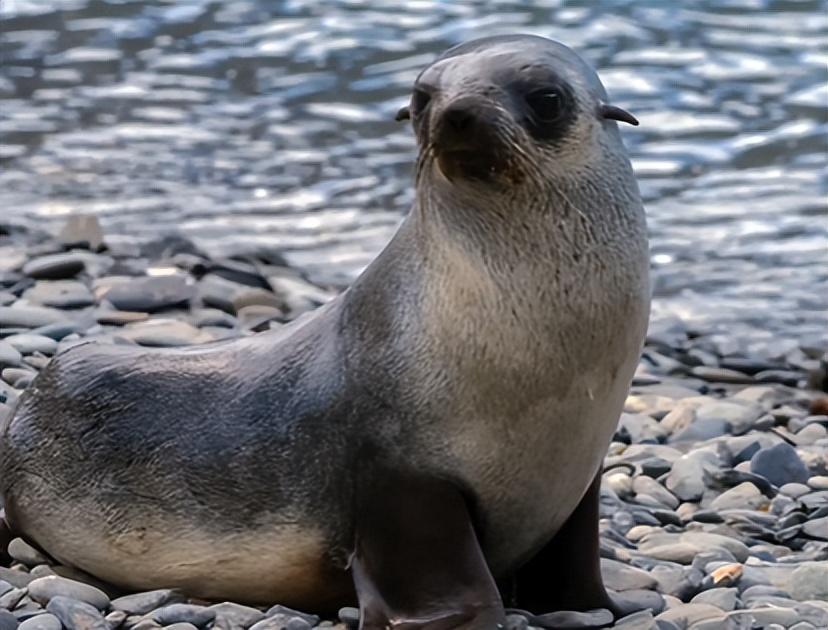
{"points": [[469, 163]]}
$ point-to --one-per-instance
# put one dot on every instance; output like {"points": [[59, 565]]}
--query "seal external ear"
{"points": [[541, 586], [404, 113], [417, 562], [616, 113]]}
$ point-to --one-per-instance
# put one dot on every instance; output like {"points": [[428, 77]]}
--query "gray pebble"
{"points": [[349, 616], [29, 343], [619, 576], [779, 464], [75, 615], [278, 609], [188, 613], [150, 293], [116, 618], [24, 553], [29, 316], [15, 577], [54, 267], [764, 616], [598, 618], [282, 622], [9, 356], [810, 581], [181, 626], [230, 616], [745, 495], [688, 614], [8, 621], [46, 588], [726, 599], [794, 490], [10, 599], [66, 294], [164, 333], [641, 620], [46, 621]]}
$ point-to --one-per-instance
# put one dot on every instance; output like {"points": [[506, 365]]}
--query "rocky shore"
{"points": [[715, 494]]}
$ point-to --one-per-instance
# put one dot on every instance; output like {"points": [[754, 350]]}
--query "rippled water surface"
{"points": [[250, 122]]}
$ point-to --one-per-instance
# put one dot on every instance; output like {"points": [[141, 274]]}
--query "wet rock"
{"points": [[45, 589], [143, 603], [65, 294], [779, 464], [54, 267], [810, 581], [76, 615], [29, 343], [24, 553], [149, 294], [46, 621]]}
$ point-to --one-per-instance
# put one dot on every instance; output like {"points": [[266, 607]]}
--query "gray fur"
{"points": [[492, 342]]}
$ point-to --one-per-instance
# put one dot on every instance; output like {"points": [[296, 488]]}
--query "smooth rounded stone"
{"points": [[116, 618], [187, 613], [82, 230], [282, 622], [640, 531], [816, 528], [641, 620], [721, 375], [29, 316], [46, 621], [24, 553], [214, 318], [15, 376], [149, 294], [5, 587], [54, 267], [120, 318], [818, 482], [230, 616], [765, 616], [779, 464], [12, 598], [688, 614], [630, 601], [8, 621], [9, 355], [349, 616], [686, 479], [810, 581], [516, 622], [29, 343], [164, 333], [45, 589], [146, 624], [811, 434], [620, 483], [182, 626], [623, 577], [789, 378], [803, 625], [255, 316], [649, 486], [67, 294], [690, 543], [814, 612], [745, 495], [566, 619], [701, 430], [794, 490], [76, 615], [726, 599], [639, 427], [18, 579], [278, 609], [753, 594]]}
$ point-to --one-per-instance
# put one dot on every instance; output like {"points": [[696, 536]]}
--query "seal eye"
{"points": [[546, 105], [419, 101]]}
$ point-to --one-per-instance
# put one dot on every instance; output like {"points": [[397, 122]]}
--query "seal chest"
{"points": [[438, 425]]}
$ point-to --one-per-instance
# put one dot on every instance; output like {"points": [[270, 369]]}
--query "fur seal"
{"points": [[424, 442]]}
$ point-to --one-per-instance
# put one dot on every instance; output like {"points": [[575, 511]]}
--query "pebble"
{"points": [[164, 333], [29, 316], [9, 355], [54, 267], [76, 615], [619, 576], [688, 614], [187, 613], [82, 231], [279, 611], [46, 621], [45, 589], [64, 294], [725, 599], [569, 619], [810, 581], [24, 553], [230, 616], [29, 343], [7, 620], [149, 294], [779, 464], [745, 495]]}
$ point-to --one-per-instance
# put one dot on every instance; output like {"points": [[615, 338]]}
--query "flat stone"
{"points": [[641, 620], [45, 589], [180, 626], [282, 622], [164, 333], [46, 621], [745, 495], [120, 318], [810, 581], [75, 615], [649, 486], [24, 553], [725, 599], [16, 578], [598, 618], [188, 613], [29, 316], [9, 355], [29, 343], [54, 267], [149, 294], [67, 294], [623, 577], [763, 617], [779, 464], [818, 482], [816, 528], [686, 479], [278, 610], [688, 614], [720, 375], [230, 616], [639, 428], [794, 490], [143, 603]]}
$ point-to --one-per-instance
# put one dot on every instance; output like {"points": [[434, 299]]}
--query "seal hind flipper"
{"points": [[542, 586], [417, 563]]}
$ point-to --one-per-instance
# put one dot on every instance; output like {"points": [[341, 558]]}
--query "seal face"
{"points": [[437, 426]]}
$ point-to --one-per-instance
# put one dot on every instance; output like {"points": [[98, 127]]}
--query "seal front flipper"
{"points": [[566, 573], [417, 563]]}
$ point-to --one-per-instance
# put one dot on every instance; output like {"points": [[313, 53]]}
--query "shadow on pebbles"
{"points": [[714, 505]]}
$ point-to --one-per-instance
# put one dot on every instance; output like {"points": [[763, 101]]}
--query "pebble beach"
{"points": [[714, 508]]}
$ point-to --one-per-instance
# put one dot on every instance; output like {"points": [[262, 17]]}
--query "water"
{"points": [[250, 122]]}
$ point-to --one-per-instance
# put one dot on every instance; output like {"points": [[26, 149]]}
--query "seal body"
{"points": [[491, 345]]}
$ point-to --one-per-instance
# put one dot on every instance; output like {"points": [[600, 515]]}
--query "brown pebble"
{"points": [[819, 406]]}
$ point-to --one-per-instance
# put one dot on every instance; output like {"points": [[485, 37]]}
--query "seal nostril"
{"points": [[459, 119]]}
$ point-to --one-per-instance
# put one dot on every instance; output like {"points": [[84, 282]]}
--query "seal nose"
{"points": [[459, 118], [463, 125]]}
